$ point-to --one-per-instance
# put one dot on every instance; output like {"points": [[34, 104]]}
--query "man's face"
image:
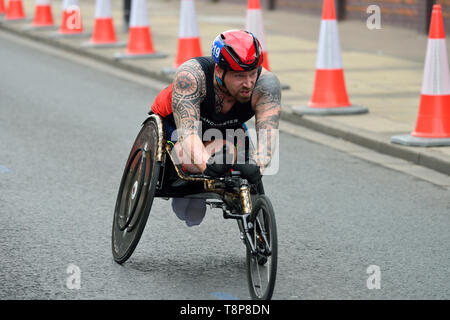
{"points": [[240, 85]]}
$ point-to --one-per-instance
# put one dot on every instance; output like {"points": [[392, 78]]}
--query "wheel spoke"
{"points": [[264, 234], [259, 269], [257, 265]]}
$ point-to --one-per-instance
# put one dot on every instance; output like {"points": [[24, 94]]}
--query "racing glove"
{"points": [[219, 163], [250, 171]]}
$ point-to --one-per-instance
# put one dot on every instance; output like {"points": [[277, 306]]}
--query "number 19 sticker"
{"points": [[217, 47]]}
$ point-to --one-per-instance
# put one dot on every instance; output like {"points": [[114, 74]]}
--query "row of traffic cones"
{"points": [[329, 93], [140, 43], [140, 40]]}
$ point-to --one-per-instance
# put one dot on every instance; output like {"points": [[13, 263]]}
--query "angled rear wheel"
{"points": [[136, 193]]}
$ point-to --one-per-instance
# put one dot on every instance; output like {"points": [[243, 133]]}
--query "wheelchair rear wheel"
{"points": [[136, 192], [262, 264]]}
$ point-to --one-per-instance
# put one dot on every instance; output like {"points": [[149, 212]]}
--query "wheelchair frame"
{"points": [[233, 194]]}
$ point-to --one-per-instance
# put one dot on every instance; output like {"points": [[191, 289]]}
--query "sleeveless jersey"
{"points": [[233, 119]]}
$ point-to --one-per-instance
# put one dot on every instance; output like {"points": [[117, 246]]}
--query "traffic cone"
{"points": [[104, 34], [188, 36], [433, 120], [43, 17], [140, 44], [2, 7], [329, 95], [254, 24], [14, 10], [71, 22]]}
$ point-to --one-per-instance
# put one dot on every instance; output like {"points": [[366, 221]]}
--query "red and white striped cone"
{"points": [[254, 24], [329, 95], [188, 36], [2, 7], [433, 120], [140, 43], [14, 11], [43, 16], [71, 21], [104, 34]]}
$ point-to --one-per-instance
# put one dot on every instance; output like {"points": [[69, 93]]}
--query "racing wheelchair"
{"points": [[149, 173]]}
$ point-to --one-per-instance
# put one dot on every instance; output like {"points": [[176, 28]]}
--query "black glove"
{"points": [[216, 170], [219, 163], [249, 171]]}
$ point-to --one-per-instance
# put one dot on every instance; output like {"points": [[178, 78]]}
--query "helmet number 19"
{"points": [[217, 47]]}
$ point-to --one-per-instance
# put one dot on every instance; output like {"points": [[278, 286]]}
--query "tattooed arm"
{"points": [[267, 113], [189, 89]]}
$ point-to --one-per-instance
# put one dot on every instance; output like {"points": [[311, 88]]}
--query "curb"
{"points": [[379, 144]]}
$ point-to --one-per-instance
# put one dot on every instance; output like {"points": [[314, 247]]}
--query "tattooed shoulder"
{"points": [[189, 90], [189, 81], [268, 86], [267, 101]]}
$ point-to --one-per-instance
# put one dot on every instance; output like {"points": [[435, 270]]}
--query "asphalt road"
{"points": [[65, 133]]}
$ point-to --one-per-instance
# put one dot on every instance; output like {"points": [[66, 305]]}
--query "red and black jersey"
{"points": [[234, 119]]}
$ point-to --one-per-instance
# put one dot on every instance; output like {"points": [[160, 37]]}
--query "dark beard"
{"points": [[244, 99]]}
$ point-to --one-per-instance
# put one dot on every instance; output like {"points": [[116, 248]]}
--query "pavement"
{"points": [[383, 68]]}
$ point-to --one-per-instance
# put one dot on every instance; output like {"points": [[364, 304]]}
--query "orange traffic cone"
{"points": [[104, 34], [433, 121], [71, 22], [2, 7], [254, 24], [188, 37], [14, 10], [329, 95], [43, 16], [140, 44]]}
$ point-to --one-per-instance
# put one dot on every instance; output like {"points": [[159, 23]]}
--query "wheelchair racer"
{"points": [[220, 93]]}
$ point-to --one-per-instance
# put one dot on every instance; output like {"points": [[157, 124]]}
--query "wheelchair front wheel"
{"points": [[136, 193], [262, 264]]}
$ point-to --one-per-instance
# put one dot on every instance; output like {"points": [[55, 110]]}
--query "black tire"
{"points": [[262, 267], [136, 193]]}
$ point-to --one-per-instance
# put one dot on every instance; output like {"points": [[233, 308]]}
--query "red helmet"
{"points": [[237, 50]]}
